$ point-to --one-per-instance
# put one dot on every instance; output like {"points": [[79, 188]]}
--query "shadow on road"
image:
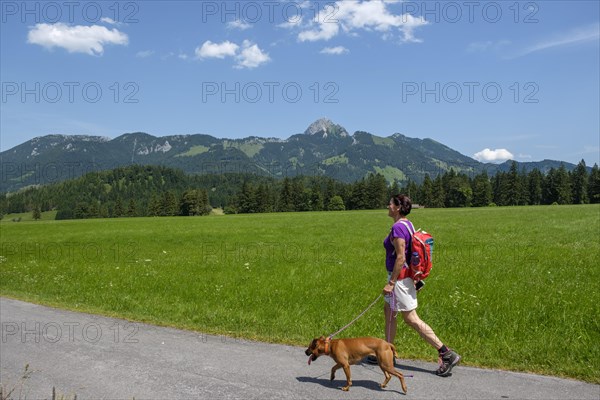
{"points": [[413, 369], [338, 383]]}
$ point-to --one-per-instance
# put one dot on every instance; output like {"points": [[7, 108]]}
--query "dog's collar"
{"points": [[327, 345]]}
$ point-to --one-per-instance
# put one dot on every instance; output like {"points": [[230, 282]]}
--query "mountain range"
{"points": [[324, 148]]}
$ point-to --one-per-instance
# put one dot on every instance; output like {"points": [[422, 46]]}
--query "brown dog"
{"points": [[346, 352]]}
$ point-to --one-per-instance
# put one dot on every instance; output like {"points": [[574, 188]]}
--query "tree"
{"points": [[37, 212], [394, 189], [132, 208], [118, 212], [482, 190], [169, 205], [286, 200], [264, 199], [513, 186], [247, 199], [412, 191], [500, 189], [316, 199], [154, 206], [190, 203], [336, 204], [81, 210], [563, 185], [594, 185], [329, 191], [523, 196], [301, 198], [426, 191], [579, 179], [359, 198], [458, 190], [438, 193], [557, 186], [534, 183], [103, 212], [377, 196], [205, 207]]}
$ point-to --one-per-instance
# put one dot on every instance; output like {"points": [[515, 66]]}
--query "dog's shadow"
{"points": [[339, 383]]}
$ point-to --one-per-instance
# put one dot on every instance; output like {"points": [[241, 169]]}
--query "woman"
{"points": [[400, 292]]}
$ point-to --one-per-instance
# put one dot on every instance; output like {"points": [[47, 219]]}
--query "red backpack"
{"points": [[421, 250]]}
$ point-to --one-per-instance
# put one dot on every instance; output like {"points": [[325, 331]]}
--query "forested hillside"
{"points": [[160, 191]]}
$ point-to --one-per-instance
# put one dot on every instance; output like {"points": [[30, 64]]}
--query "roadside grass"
{"points": [[512, 287]]}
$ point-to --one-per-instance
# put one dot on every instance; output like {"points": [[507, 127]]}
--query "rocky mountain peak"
{"points": [[324, 127]]}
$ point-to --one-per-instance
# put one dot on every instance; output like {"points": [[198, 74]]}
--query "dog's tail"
{"points": [[394, 350]]}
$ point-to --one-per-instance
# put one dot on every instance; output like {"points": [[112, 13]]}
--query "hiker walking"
{"points": [[400, 291]]}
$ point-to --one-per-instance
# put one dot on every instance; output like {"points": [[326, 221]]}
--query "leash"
{"points": [[357, 317]]}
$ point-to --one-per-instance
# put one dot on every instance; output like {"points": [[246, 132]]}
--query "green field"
{"points": [[512, 287]]}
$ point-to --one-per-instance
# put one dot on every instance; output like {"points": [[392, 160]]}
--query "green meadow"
{"points": [[512, 287]]}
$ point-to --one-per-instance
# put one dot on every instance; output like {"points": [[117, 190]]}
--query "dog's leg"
{"points": [[387, 378], [386, 363], [335, 368], [348, 377], [401, 377]]}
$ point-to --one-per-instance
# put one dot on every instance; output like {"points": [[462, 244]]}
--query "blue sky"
{"points": [[493, 80]]}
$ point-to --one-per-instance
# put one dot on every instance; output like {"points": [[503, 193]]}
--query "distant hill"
{"points": [[324, 148]]}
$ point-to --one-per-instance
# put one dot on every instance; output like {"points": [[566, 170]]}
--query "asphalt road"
{"points": [[104, 358]]}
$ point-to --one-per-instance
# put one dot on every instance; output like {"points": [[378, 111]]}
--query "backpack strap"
{"points": [[408, 226], [411, 231]]}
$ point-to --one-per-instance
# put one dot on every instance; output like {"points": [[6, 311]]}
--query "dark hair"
{"points": [[403, 202]]}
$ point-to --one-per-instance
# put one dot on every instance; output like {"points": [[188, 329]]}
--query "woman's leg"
{"points": [[448, 358], [412, 319], [391, 323]]}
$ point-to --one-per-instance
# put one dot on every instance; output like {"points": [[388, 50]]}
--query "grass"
{"points": [[28, 216], [390, 173], [512, 287], [194, 150]]}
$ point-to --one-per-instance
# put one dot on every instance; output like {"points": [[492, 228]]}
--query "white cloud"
{"points": [[217, 50], [76, 39], [109, 21], [144, 53], [251, 56], [325, 31], [238, 24], [291, 23], [353, 15], [334, 50], [498, 155], [579, 35]]}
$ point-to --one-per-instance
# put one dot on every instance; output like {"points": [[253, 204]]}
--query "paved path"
{"points": [[105, 358]]}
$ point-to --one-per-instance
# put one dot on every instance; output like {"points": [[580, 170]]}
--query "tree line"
{"points": [[134, 191], [131, 191], [512, 188]]}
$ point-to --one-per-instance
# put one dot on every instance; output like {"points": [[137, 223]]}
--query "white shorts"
{"points": [[404, 297]]}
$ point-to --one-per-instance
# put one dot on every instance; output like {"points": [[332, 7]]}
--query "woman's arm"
{"points": [[399, 245]]}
